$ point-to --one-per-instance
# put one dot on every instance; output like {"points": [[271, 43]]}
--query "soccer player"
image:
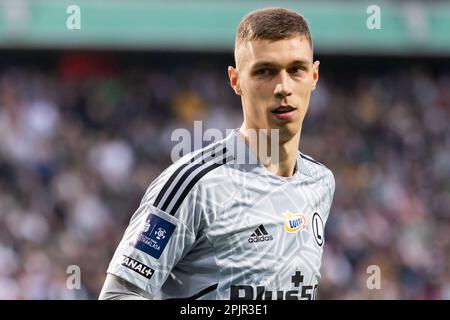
{"points": [[213, 226]]}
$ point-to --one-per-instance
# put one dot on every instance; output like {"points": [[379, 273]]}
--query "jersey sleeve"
{"points": [[153, 243], [330, 185], [164, 228]]}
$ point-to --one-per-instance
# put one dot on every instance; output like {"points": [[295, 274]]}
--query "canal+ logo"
{"points": [[294, 222]]}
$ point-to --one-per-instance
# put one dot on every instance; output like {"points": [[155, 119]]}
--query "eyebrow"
{"points": [[262, 64]]}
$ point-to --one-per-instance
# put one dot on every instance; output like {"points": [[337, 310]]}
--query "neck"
{"points": [[284, 164]]}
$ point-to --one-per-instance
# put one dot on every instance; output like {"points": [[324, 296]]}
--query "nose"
{"points": [[282, 88]]}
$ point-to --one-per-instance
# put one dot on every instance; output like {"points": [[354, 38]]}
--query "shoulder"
{"points": [[318, 170], [181, 179]]}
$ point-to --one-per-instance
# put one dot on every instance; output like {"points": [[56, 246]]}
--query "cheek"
{"points": [[265, 90], [304, 88], [256, 92]]}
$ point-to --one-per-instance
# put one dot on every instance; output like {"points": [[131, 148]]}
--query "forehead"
{"points": [[282, 51]]}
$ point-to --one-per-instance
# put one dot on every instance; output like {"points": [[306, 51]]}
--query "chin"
{"points": [[288, 131]]}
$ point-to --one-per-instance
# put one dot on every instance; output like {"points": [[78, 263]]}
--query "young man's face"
{"points": [[275, 80]]}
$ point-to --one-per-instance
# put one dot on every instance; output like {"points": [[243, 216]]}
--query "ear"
{"points": [[315, 73], [233, 75]]}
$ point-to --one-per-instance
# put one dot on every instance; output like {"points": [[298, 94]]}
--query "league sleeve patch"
{"points": [[155, 235]]}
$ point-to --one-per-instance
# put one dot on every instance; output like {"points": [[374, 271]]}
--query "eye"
{"points": [[264, 72], [296, 70]]}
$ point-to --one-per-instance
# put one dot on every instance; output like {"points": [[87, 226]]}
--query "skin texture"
{"points": [[270, 74]]}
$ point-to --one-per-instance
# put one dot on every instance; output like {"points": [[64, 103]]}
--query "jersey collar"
{"points": [[235, 143]]}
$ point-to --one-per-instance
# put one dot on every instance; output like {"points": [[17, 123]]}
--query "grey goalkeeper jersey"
{"points": [[217, 224]]}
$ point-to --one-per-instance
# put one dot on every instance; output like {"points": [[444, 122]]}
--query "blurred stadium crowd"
{"points": [[81, 140]]}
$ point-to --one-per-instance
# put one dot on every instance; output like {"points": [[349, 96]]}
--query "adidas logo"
{"points": [[259, 235]]}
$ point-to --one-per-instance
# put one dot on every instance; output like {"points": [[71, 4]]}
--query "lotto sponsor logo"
{"points": [[294, 222]]}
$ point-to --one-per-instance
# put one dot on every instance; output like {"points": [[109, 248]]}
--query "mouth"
{"points": [[283, 109], [284, 112]]}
